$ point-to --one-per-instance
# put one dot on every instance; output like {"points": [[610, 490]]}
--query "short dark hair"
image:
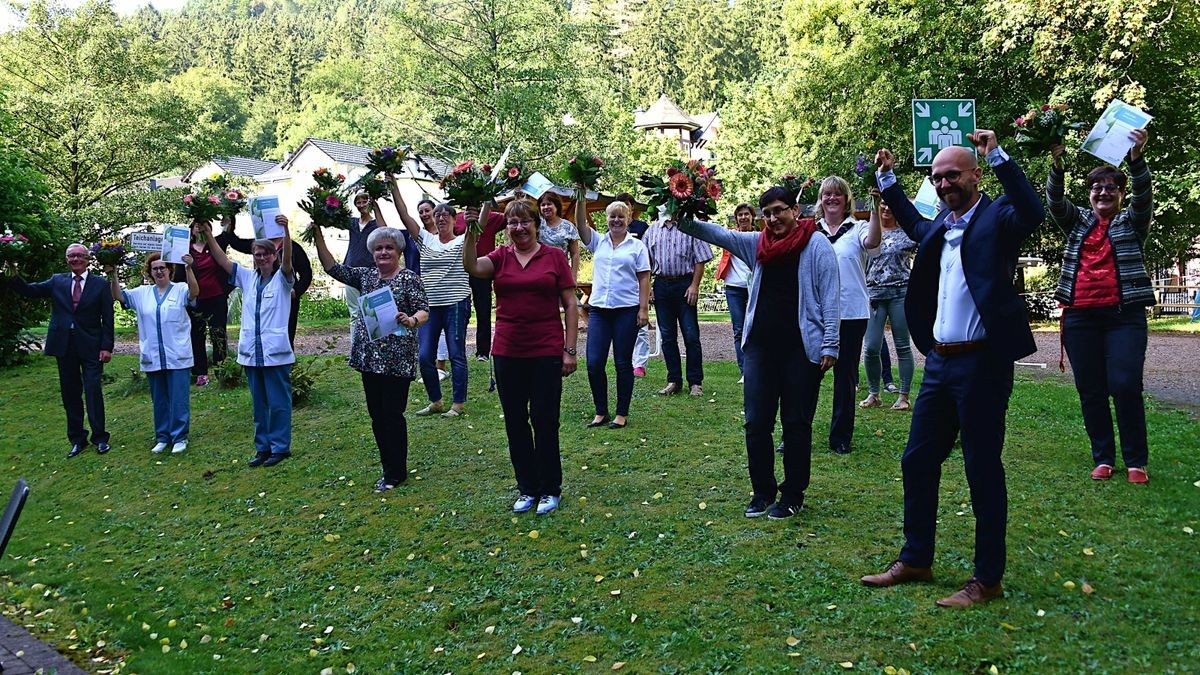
{"points": [[523, 208], [428, 201], [777, 194], [1103, 172], [745, 206], [553, 199], [627, 198], [445, 206]]}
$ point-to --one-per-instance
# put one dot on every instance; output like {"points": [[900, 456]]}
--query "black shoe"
{"points": [[614, 425], [784, 509], [758, 506], [779, 448], [102, 448], [76, 449], [840, 448], [275, 459], [259, 459], [602, 422]]}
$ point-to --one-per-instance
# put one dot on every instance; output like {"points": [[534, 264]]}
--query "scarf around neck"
{"points": [[773, 250]]}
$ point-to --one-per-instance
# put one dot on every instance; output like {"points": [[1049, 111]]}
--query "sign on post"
{"points": [[940, 123], [145, 241]]}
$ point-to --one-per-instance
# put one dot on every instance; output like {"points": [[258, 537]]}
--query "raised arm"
{"points": [[1026, 203], [114, 284], [740, 244], [907, 215], [1062, 211], [1141, 199], [481, 268], [192, 284], [215, 250], [581, 219], [286, 263], [229, 238], [323, 255], [410, 223], [378, 213]]}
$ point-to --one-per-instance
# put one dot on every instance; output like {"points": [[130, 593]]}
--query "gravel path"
{"points": [[1172, 360]]}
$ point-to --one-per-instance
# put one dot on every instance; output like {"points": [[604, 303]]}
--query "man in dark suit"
{"points": [[81, 338], [968, 320]]}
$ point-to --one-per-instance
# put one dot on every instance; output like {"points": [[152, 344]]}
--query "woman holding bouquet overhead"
{"points": [[165, 344], [619, 305], [263, 346], [449, 296], [736, 275], [1104, 290], [210, 311], [387, 365], [532, 349]]}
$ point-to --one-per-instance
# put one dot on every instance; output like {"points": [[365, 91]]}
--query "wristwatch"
{"points": [[571, 351]]}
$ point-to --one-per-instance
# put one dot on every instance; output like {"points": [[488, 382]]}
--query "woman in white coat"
{"points": [[264, 349], [165, 344]]}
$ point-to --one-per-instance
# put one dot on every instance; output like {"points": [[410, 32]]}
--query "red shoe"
{"points": [[639, 372], [1138, 476], [1102, 472]]}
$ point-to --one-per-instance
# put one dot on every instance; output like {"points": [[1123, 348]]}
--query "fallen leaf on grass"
{"points": [[830, 606], [589, 658], [703, 506], [792, 641], [598, 578], [1041, 612], [577, 620], [658, 495], [1087, 588], [1069, 585], [332, 537], [533, 534], [1188, 530], [618, 665], [615, 592], [1089, 551], [489, 630], [516, 650], [994, 670], [1007, 626], [847, 664], [632, 618], [1063, 533]]}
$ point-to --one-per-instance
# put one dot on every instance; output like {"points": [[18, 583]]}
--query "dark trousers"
{"points": [[481, 299], [210, 316], [737, 298], [964, 397], [845, 379], [79, 379], [292, 318], [531, 392], [675, 315], [780, 378], [387, 398], [617, 327], [1107, 348]]}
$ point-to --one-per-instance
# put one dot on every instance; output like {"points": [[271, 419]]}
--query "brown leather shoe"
{"points": [[696, 390], [899, 573], [670, 390], [972, 593]]}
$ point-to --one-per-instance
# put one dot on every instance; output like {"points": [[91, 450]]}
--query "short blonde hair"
{"points": [[843, 187], [618, 206]]}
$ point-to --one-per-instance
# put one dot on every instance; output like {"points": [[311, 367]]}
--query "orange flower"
{"points": [[714, 189], [681, 186]]}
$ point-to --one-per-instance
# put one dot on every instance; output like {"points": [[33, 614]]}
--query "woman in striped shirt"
{"points": [[449, 296]]}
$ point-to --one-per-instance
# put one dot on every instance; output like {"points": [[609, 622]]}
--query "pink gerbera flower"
{"points": [[187, 199], [333, 202], [714, 189], [212, 199], [681, 186], [464, 166]]}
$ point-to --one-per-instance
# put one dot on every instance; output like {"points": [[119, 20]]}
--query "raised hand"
{"points": [[282, 221], [884, 160], [1139, 137], [187, 260], [984, 140]]}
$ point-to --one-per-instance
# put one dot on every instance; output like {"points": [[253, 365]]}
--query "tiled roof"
{"points": [[356, 155], [666, 114], [243, 166]]}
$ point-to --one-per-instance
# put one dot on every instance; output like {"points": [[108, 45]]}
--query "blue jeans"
{"points": [[882, 311], [675, 315], [452, 320], [617, 327], [779, 377], [737, 298], [172, 404], [1107, 348], [271, 395]]}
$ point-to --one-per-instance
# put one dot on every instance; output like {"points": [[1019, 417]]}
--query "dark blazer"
{"points": [[93, 320], [990, 247]]}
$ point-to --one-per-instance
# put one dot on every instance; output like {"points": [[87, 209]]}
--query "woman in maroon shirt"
{"points": [[211, 311], [532, 350]]}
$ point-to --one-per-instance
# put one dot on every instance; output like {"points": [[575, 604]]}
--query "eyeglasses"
{"points": [[262, 254], [769, 213], [1105, 187], [526, 223], [949, 177], [158, 268], [75, 256]]}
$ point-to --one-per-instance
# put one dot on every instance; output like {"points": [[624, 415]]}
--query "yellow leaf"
{"points": [[847, 664], [533, 534], [618, 665], [632, 618], [489, 630], [166, 648], [1088, 551], [313, 652], [516, 650], [1041, 612], [1063, 533], [1068, 584], [889, 670], [830, 606], [172, 623], [1007, 626], [411, 556], [350, 667], [480, 655], [598, 578], [331, 538], [206, 639], [615, 592], [589, 658], [703, 506], [1087, 588], [792, 641], [994, 670], [1188, 530], [658, 495]]}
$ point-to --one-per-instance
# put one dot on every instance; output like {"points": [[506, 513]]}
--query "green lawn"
{"points": [[649, 562]]}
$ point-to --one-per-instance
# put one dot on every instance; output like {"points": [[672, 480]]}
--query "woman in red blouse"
{"points": [[532, 349], [210, 314]]}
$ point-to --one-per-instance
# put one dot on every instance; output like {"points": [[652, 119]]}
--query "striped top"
{"points": [[674, 253], [442, 269], [1127, 232]]}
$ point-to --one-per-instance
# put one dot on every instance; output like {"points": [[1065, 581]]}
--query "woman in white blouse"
{"points": [[165, 345], [449, 295], [619, 305], [853, 241]]}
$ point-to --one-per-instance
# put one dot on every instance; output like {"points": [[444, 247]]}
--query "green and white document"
{"points": [[175, 242], [378, 310], [263, 209], [1109, 139]]}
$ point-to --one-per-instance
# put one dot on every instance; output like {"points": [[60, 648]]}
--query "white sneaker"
{"points": [[158, 448], [547, 504], [742, 380], [179, 447], [442, 375], [523, 503]]}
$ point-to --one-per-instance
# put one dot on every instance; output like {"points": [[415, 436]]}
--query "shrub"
{"points": [[228, 373], [305, 372]]}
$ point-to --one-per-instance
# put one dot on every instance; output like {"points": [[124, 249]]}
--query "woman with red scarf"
{"points": [[793, 300]]}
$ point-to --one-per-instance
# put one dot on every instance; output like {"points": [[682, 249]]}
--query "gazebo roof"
{"points": [[664, 114]]}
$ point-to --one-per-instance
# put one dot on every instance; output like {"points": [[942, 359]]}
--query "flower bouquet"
{"points": [[375, 188], [865, 170], [325, 203], [109, 252], [584, 169], [202, 208], [469, 185], [386, 160], [14, 248], [232, 202], [688, 191], [1043, 127], [795, 184]]}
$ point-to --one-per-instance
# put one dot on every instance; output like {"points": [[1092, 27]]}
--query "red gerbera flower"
{"points": [[513, 172], [332, 202], [671, 171], [714, 189], [681, 186], [599, 162], [464, 166]]}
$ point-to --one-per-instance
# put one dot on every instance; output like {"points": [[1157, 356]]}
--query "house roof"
{"points": [[235, 166], [664, 114], [356, 155]]}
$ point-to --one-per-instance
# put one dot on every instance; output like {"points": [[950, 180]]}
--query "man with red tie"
{"points": [[81, 338]]}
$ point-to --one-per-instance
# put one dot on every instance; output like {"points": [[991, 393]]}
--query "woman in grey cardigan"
{"points": [[794, 289]]}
